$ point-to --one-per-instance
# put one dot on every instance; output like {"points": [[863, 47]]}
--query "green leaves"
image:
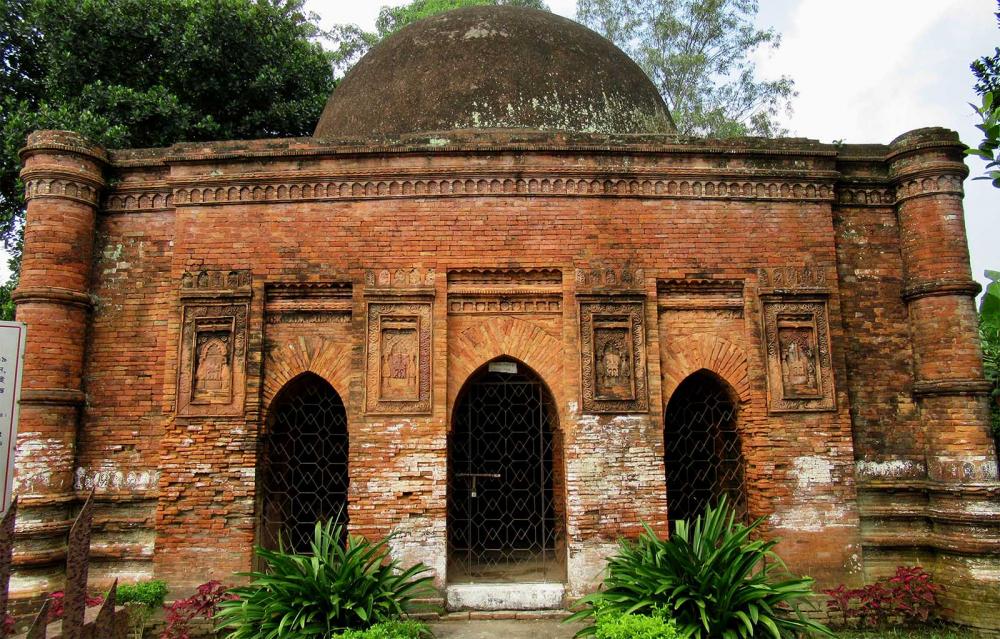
{"points": [[989, 111], [338, 587], [711, 577], [699, 54], [138, 73]]}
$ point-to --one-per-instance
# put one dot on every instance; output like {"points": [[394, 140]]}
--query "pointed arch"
{"points": [[705, 352], [492, 338], [703, 450], [506, 477], [326, 358], [302, 464]]}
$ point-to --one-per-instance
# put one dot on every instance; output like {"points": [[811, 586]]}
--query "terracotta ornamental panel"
{"points": [[398, 344], [797, 340], [212, 364], [612, 341]]}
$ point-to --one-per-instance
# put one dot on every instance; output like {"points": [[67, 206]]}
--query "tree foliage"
{"points": [[989, 332], [987, 68], [987, 72], [699, 55], [135, 73], [351, 42]]}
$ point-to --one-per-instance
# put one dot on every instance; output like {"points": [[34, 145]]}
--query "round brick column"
{"points": [[927, 170], [63, 178]]}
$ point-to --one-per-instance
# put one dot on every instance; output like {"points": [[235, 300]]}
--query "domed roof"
{"points": [[493, 67]]}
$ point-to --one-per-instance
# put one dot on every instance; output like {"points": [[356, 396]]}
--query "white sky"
{"points": [[865, 70]]}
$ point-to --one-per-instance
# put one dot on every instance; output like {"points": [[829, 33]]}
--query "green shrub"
{"points": [[337, 587], [711, 578], [615, 625], [141, 599], [150, 593], [390, 630]]}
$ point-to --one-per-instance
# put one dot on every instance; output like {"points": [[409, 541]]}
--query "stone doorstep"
{"points": [[497, 615], [491, 597]]}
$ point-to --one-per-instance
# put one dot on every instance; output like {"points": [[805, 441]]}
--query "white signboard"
{"points": [[11, 367]]}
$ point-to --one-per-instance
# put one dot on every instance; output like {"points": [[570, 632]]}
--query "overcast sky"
{"points": [[865, 70]]}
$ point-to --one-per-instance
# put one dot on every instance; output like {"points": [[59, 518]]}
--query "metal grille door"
{"points": [[501, 515], [704, 460], [303, 463]]}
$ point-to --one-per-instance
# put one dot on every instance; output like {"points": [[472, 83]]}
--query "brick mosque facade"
{"points": [[172, 296]]}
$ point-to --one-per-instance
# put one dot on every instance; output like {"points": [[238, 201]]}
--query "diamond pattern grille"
{"points": [[303, 463], [704, 460], [501, 515]]}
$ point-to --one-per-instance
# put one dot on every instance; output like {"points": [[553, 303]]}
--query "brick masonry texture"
{"points": [[284, 248]]}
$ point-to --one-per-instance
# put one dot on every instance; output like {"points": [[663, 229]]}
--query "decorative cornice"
{"points": [[486, 277], [928, 388], [458, 183], [915, 186], [938, 288], [61, 185], [401, 280], [865, 195], [51, 295], [153, 199], [62, 142], [308, 302], [52, 396], [236, 283]]}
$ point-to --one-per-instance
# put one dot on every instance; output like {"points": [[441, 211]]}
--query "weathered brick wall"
{"points": [[712, 252]]}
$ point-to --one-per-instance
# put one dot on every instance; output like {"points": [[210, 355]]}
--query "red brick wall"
{"points": [[292, 211]]}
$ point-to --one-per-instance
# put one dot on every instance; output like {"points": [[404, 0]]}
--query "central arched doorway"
{"points": [[505, 480], [704, 457], [303, 463]]}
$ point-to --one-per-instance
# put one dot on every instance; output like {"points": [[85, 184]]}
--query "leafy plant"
{"points": [[141, 600], [712, 578], [395, 629], [701, 55], [910, 597], [57, 604], [989, 332], [204, 604], [987, 149], [615, 625], [338, 587]]}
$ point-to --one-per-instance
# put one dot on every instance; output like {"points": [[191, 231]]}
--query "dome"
{"points": [[493, 67]]}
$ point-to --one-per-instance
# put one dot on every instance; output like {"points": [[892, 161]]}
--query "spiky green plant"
{"points": [[712, 578], [337, 587]]}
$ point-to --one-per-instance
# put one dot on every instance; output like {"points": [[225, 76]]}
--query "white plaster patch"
{"points": [[421, 539], [586, 566], [811, 518], [891, 469], [113, 479], [980, 507], [503, 596], [813, 471]]}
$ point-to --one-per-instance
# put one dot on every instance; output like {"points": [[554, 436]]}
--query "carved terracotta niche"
{"points": [[613, 355], [398, 378], [797, 343], [211, 377], [398, 341]]}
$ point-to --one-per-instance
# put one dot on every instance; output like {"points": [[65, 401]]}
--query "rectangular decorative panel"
{"points": [[211, 373], [613, 355], [799, 368], [398, 379]]}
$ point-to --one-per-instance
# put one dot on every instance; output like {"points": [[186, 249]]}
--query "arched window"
{"points": [[505, 510], [303, 463], [703, 455]]}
